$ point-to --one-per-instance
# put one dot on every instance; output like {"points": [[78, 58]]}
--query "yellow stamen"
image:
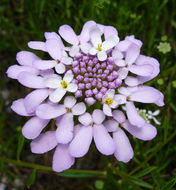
{"points": [[121, 125], [128, 98], [92, 124], [109, 101], [68, 110], [99, 48], [57, 60], [126, 65], [64, 84]]}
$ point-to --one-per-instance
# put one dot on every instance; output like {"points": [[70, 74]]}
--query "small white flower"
{"points": [[60, 86], [152, 114], [100, 48]]}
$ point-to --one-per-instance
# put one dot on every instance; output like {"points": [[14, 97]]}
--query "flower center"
{"points": [[64, 84], [109, 101], [68, 110], [58, 61], [92, 124], [99, 48]]}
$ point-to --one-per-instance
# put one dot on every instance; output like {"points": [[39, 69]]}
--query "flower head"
{"points": [[81, 87]]}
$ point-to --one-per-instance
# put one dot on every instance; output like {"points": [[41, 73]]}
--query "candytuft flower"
{"points": [[89, 88]]}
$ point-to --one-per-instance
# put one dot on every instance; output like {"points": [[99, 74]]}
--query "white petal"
{"points": [[122, 73], [67, 60], [85, 119], [74, 50], [119, 116], [121, 99], [102, 55], [44, 64], [111, 125], [57, 95], [110, 42], [98, 116], [110, 93], [79, 108], [52, 82], [68, 77], [120, 62], [60, 68], [93, 51], [125, 91], [95, 36], [107, 110], [72, 87], [69, 101], [37, 45], [85, 47], [131, 81], [116, 54]]}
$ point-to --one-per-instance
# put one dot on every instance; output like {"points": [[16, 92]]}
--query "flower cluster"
{"points": [[83, 88]]}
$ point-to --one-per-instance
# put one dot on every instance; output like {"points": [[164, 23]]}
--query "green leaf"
{"points": [[145, 171], [31, 179], [170, 184], [20, 146], [77, 174], [140, 182]]}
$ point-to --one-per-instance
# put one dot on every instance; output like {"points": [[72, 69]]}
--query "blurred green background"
{"points": [[154, 165]]}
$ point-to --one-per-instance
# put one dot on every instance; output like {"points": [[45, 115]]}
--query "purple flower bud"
{"points": [[94, 70], [83, 70], [94, 74], [114, 74], [90, 101], [69, 71], [86, 74], [103, 65], [97, 65], [79, 77], [82, 64], [105, 83], [78, 56], [106, 71], [76, 70], [100, 71], [88, 85], [95, 60], [75, 63], [112, 85], [99, 96], [99, 85], [85, 58], [74, 81], [78, 93], [95, 91], [90, 74], [94, 82], [110, 60], [90, 63], [118, 82], [89, 69], [103, 90], [88, 93], [98, 76], [86, 79], [103, 76], [110, 78], [99, 79], [110, 67], [81, 86], [91, 79]]}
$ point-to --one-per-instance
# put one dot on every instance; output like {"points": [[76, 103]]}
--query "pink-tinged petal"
{"points": [[69, 101], [67, 60], [85, 47], [124, 151], [125, 91], [76, 129], [26, 58], [85, 119], [60, 68], [101, 27], [46, 73], [34, 99], [37, 45], [81, 142], [44, 143], [142, 70], [64, 131], [54, 48], [131, 81], [160, 101], [62, 160], [119, 116], [30, 80], [111, 125], [98, 116], [14, 70], [72, 87], [110, 42], [107, 110], [142, 60], [133, 40], [103, 140], [84, 35], [74, 50], [33, 127], [95, 36], [68, 34], [120, 62], [122, 73], [102, 55], [145, 94], [147, 132], [44, 64], [116, 54], [120, 99], [108, 31], [123, 45], [132, 54], [53, 82], [68, 77], [57, 95], [47, 111], [19, 108], [133, 116], [79, 108]]}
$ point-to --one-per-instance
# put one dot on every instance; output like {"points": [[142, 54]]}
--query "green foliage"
{"points": [[153, 22]]}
